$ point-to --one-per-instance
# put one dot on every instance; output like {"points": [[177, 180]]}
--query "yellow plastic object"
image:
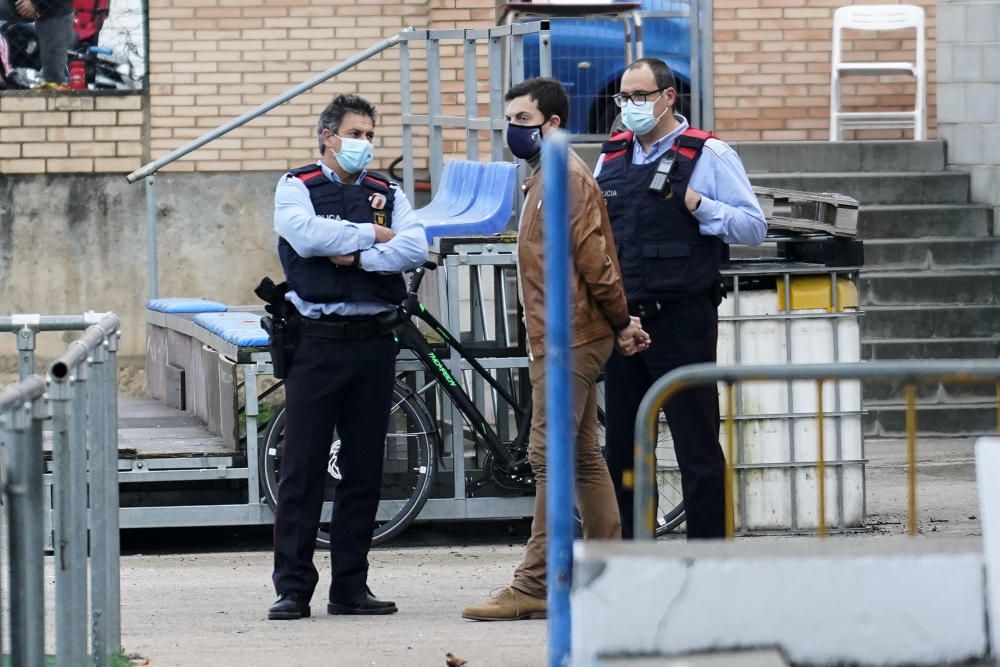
{"points": [[814, 293]]}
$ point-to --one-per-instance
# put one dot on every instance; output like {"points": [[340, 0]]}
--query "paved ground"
{"points": [[946, 487], [198, 597], [208, 609]]}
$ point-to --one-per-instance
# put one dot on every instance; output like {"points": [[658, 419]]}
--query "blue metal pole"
{"points": [[558, 395]]}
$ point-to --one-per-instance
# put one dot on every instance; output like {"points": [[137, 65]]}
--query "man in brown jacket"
{"points": [[600, 316]]}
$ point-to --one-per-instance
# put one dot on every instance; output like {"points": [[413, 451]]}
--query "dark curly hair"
{"points": [[548, 94], [335, 110]]}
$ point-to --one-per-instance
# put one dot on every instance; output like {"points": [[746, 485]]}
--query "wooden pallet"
{"points": [[798, 211]]}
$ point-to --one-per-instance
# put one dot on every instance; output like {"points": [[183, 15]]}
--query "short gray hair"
{"points": [[334, 113]]}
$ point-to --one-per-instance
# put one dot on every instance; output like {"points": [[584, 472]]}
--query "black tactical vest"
{"points": [[662, 254], [317, 279]]}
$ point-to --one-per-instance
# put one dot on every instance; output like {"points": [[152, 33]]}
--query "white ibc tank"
{"points": [[776, 435]]}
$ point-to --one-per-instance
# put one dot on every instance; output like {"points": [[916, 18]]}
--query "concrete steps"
{"points": [[955, 320], [930, 287], [941, 187], [906, 221], [947, 254], [931, 281], [849, 157], [909, 288], [889, 349]]}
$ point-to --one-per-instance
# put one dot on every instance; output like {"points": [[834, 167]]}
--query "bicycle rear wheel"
{"points": [[408, 466]]}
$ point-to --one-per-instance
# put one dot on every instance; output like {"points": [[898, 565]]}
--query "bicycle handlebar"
{"points": [[418, 276]]}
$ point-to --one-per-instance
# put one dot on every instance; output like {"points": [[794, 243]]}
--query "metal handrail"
{"points": [[78, 399], [18, 394], [26, 326], [148, 171], [154, 166], [668, 386], [81, 348]]}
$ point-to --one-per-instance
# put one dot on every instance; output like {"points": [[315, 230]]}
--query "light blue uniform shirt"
{"points": [[310, 235], [729, 208]]}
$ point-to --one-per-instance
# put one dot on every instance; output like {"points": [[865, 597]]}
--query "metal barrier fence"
{"points": [[908, 372], [79, 399]]}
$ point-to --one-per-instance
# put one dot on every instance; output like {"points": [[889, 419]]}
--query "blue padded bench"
{"points": [[241, 329], [192, 349], [473, 199], [185, 305]]}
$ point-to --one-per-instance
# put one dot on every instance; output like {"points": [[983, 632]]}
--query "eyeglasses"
{"points": [[621, 99]]}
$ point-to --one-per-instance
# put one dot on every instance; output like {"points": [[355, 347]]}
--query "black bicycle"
{"points": [[414, 441]]}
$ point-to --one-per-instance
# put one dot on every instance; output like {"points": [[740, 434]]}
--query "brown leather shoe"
{"points": [[508, 605]]}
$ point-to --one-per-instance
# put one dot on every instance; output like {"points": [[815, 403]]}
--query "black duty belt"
{"points": [[651, 308], [356, 328]]}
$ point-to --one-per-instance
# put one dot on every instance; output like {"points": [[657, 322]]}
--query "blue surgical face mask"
{"points": [[639, 117], [354, 155], [524, 141]]}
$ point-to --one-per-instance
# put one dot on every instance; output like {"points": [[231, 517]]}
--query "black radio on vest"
{"points": [[317, 279], [660, 185], [662, 253]]}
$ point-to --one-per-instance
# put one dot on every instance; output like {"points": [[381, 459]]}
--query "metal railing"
{"points": [[505, 66], [433, 119], [78, 397], [910, 373]]}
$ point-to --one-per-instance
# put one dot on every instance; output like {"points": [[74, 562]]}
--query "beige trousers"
{"points": [[595, 495]]}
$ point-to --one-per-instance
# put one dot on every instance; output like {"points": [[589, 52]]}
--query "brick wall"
{"points": [[209, 64], [772, 69], [212, 60], [60, 133]]}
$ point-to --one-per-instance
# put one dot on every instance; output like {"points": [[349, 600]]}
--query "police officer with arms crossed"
{"points": [[675, 196], [346, 234]]}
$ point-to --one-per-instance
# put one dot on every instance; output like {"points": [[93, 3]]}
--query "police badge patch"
{"points": [[378, 202]]}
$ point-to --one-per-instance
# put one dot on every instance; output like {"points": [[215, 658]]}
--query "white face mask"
{"points": [[354, 155], [639, 117]]}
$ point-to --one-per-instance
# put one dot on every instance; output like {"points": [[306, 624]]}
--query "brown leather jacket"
{"points": [[597, 294]]}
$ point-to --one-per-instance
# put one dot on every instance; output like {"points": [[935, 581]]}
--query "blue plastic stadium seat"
{"points": [[185, 305], [242, 329], [492, 201], [455, 192]]}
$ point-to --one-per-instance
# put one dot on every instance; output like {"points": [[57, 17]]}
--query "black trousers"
{"points": [[681, 334], [344, 385]]}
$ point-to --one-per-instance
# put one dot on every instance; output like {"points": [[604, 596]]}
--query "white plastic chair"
{"points": [[878, 17]]}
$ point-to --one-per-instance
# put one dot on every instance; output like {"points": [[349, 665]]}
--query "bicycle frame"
{"points": [[410, 337]]}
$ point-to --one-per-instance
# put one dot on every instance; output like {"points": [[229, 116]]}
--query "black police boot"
{"points": [[288, 607], [364, 604]]}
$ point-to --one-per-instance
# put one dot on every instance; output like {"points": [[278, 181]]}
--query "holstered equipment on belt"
{"points": [[282, 324]]}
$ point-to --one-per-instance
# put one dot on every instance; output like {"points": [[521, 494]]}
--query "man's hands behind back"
{"points": [[633, 338]]}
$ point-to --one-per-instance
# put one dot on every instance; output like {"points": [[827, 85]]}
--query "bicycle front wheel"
{"points": [[407, 469]]}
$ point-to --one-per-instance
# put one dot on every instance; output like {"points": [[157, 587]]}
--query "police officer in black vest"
{"points": [[676, 196], [346, 234]]}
